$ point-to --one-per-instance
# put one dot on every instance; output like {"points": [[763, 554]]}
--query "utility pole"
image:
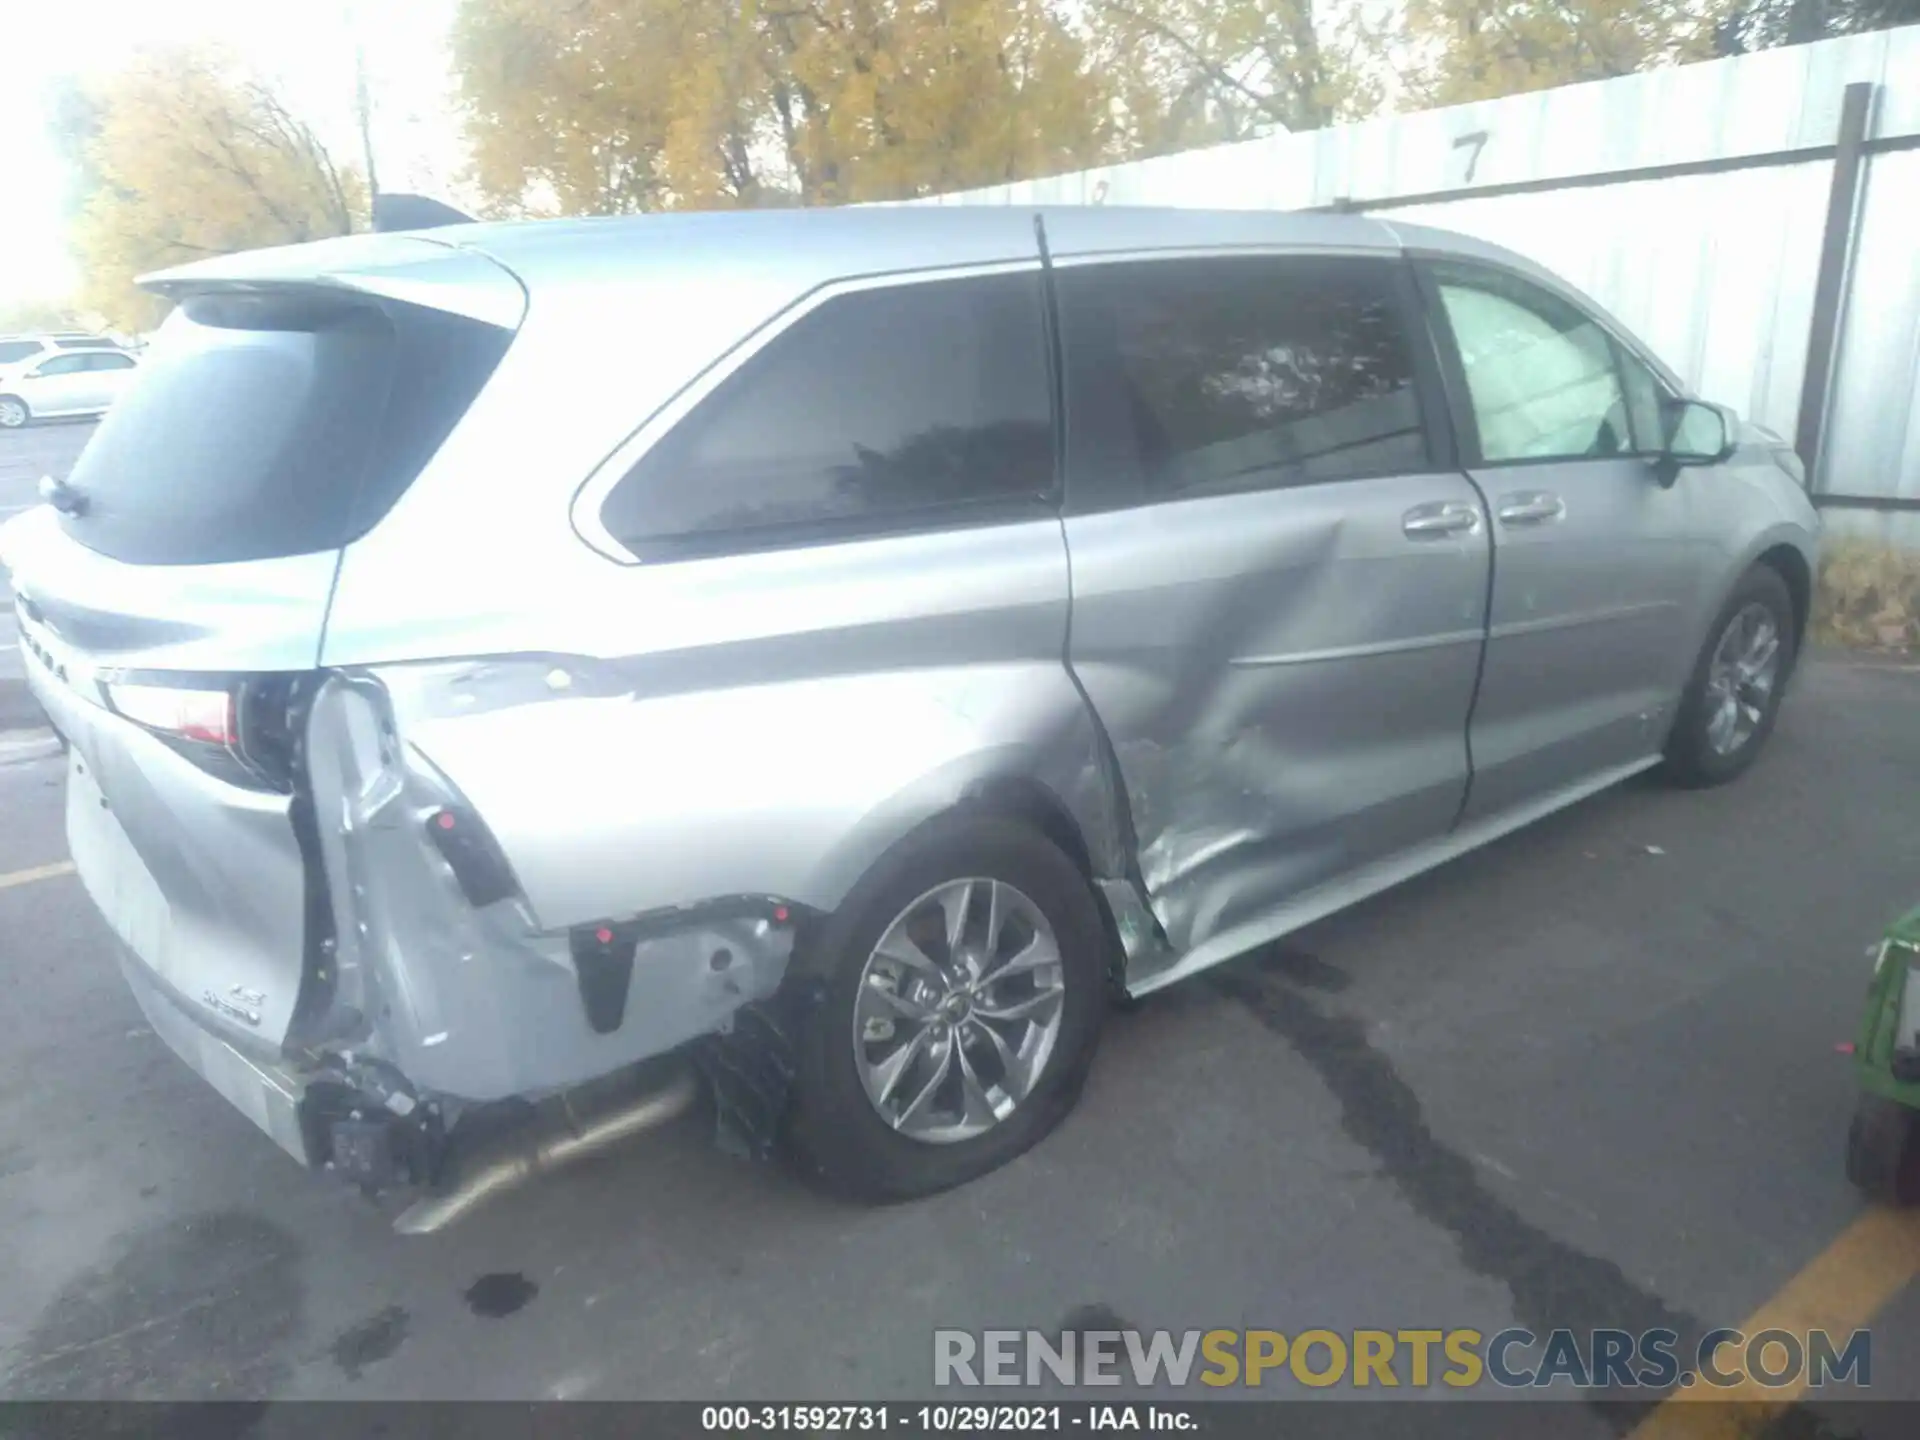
{"points": [[362, 96], [363, 112]]}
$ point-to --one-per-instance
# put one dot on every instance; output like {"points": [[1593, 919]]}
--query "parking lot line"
{"points": [[1839, 1291], [38, 872]]}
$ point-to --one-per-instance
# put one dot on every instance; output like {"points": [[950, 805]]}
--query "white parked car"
{"points": [[69, 382], [17, 349]]}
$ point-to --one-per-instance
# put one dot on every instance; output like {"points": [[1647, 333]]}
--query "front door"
{"points": [[1597, 565], [1278, 591]]}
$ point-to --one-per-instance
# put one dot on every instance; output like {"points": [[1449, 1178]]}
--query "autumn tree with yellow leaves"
{"points": [[1198, 72], [1458, 50], [181, 156], [616, 105], [600, 106]]}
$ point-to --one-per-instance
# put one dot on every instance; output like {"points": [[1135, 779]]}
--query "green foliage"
{"points": [[1748, 25]]}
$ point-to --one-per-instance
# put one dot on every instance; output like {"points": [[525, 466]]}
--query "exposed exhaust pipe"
{"points": [[494, 1168]]}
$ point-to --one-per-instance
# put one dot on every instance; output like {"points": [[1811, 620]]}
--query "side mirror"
{"points": [[1697, 434]]}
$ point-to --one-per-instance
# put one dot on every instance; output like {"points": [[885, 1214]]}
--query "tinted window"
{"points": [[12, 351], [880, 406], [79, 342], [63, 365], [1543, 375], [1209, 376], [109, 362], [273, 425]]}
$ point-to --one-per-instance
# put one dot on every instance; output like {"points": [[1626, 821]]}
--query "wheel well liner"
{"points": [[1791, 566], [1030, 801]]}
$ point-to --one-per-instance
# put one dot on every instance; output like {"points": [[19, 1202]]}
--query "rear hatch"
{"points": [[173, 598]]}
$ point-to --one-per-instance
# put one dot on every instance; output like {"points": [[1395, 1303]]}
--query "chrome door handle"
{"points": [[1530, 507], [1447, 517]]}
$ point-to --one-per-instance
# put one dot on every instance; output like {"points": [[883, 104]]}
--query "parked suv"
{"points": [[935, 619]]}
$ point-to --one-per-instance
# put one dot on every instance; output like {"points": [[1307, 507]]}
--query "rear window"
{"points": [[278, 425], [12, 351]]}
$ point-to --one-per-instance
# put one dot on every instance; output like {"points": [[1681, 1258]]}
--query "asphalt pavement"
{"points": [[1584, 1077]]}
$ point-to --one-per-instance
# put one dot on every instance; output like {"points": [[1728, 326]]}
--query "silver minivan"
{"points": [[843, 648]]}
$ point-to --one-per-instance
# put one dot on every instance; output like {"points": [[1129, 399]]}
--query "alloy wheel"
{"points": [[958, 1010], [1742, 678]]}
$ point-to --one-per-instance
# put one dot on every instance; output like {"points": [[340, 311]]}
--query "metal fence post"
{"points": [[1829, 298]]}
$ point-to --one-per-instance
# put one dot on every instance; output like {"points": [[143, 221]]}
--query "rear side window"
{"points": [[1209, 376], [14, 351], [105, 361], [882, 409], [277, 425]]}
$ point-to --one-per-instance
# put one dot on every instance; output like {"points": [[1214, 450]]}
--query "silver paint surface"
{"points": [[1248, 709], [1285, 677]]}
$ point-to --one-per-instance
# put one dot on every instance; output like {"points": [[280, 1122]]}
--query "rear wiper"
{"points": [[62, 496]]}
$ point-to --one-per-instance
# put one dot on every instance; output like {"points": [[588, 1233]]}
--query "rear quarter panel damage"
{"points": [[611, 801], [478, 1003], [754, 725]]}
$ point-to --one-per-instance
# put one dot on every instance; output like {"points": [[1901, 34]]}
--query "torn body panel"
{"points": [[483, 1002], [661, 784], [764, 723]]}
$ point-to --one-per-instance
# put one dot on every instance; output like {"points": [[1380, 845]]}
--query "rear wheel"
{"points": [[1733, 697], [13, 412], [961, 992]]}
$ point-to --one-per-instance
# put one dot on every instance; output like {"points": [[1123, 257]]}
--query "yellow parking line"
{"points": [[1839, 1291], [38, 872]]}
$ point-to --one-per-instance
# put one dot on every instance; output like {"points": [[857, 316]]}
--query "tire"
{"points": [[834, 1132], [13, 412], [1883, 1151], [1704, 748]]}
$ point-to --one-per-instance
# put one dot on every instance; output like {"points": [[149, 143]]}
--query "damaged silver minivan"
{"points": [[843, 647]]}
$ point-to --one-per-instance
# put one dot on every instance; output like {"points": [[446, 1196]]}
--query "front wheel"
{"points": [[13, 413], [1733, 697], [959, 996]]}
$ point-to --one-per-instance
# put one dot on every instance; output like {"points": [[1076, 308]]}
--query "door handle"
{"points": [[1446, 517], [1530, 507]]}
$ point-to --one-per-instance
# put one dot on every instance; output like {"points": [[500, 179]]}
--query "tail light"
{"points": [[239, 728], [205, 716]]}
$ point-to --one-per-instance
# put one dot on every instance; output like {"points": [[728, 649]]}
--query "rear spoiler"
{"points": [[415, 269]]}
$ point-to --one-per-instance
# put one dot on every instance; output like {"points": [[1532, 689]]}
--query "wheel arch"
{"points": [[1787, 550], [1792, 566]]}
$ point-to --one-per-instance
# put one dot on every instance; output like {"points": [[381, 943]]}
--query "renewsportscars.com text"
{"points": [[1512, 1359]]}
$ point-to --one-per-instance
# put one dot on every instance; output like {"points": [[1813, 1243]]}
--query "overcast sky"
{"points": [[304, 46]]}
